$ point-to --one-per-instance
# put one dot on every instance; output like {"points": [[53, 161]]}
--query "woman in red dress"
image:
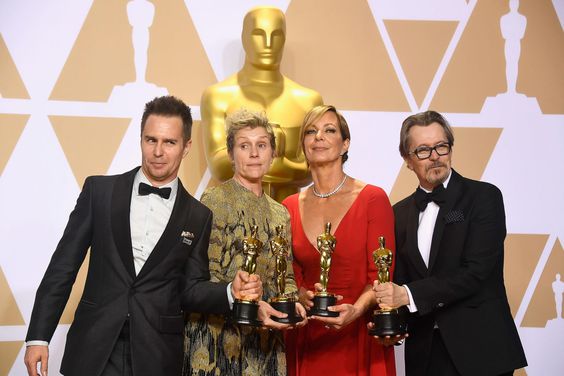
{"points": [[359, 214]]}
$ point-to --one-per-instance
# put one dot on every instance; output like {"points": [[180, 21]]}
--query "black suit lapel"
{"points": [[172, 233], [411, 240], [121, 204], [453, 191]]}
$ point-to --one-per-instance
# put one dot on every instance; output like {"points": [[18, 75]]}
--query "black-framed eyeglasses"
{"points": [[424, 152]]}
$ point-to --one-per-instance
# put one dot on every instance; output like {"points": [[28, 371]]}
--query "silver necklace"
{"points": [[325, 195]]}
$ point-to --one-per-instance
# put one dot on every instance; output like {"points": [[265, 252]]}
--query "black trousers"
{"points": [[440, 362], [119, 363]]}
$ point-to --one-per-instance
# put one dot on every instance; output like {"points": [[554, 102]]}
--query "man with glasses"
{"points": [[449, 263]]}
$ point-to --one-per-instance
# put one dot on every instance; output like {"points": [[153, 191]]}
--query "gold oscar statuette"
{"points": [[323, 300], [387, 322], [282, 302], [245, 311], [260, 86]]}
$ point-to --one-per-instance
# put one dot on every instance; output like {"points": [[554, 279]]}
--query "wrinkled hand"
{"points": [[389, 295], [388, 340], [347, 314], [245, 285], [264, 313], [300, 310], [34, 355]]}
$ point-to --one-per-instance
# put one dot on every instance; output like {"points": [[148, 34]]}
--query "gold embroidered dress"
{"points": [[213, 346]]}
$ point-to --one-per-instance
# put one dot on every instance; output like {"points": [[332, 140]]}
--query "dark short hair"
{"points": [[422, 119], [169, 106], [315, 114]]}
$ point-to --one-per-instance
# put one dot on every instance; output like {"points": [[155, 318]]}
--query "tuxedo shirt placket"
{"points": [[427, 220], [149, 216], [425, 231]]}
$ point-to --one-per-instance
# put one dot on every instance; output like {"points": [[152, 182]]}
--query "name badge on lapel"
{"points": [[187, 237]]}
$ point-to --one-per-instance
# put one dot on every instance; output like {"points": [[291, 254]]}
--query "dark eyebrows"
{"points": [[430, 147], [153, 138]]}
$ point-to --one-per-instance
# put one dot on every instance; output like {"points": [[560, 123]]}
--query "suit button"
{"points": [[440, 305]]}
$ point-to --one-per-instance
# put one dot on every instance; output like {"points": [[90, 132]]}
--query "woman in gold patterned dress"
{"points": [[213, 345]]}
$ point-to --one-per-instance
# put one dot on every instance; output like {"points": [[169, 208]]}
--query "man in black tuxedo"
{"points": [[148, 241], [449, 263]]}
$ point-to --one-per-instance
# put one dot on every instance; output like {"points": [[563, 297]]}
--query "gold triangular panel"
{"points": [[541, 67], [405, 184], [102, 55], [8, 354], [522, 253], [9, 312], [477, 68], [542, 306], [468, 160], [177, 59], [11, 128], [194, 165], [336, 49], [11, 84], [76, 293], [420, 46], [89, 143]]}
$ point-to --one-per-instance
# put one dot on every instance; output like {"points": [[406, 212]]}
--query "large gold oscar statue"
{"points": [[259, 86]]}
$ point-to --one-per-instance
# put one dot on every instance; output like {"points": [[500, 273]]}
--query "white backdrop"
{"points": [[65, 67]]}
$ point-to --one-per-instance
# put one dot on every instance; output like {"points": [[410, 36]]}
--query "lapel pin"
{"points": [[187, 234]]}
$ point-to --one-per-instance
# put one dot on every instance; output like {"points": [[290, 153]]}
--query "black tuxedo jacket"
{"points": [[462, 290], [174, 278]]}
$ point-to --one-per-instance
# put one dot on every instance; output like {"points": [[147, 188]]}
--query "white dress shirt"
{"points": [[148, 218], [425, 230]]}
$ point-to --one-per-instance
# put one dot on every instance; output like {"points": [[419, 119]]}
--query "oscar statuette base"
{"points": [[388, 323], [245, 312], [321, 303], [287, 306]]}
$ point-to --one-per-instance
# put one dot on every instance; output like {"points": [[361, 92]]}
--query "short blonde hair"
{"points": [[244, 118]]}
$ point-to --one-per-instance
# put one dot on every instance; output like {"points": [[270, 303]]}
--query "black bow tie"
{"points": [[146, 189], [422, 198]]}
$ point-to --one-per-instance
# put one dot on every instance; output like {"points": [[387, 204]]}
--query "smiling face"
{"points": [[263, 36], [323, 141], [435, 169], [252, 155], [162, 148]]}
